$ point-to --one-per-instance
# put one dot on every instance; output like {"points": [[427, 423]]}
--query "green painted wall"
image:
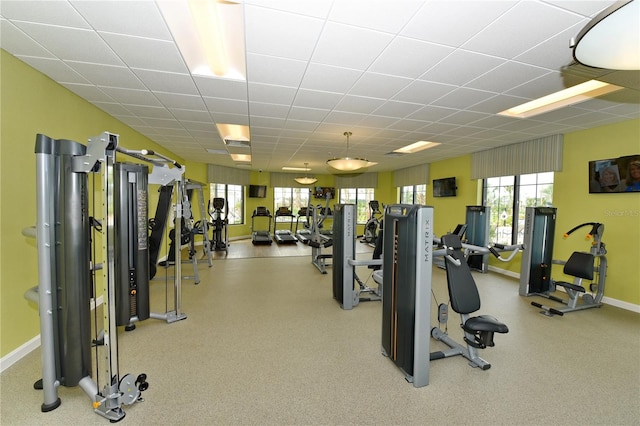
{"points": [[32, 103], [620, 213]]}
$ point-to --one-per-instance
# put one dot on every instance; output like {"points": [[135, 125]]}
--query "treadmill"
{"points": [[261, 236], [284, 236], [303, 235]]}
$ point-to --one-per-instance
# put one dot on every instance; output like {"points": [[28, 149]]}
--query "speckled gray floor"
{"points": [[265, 343]]}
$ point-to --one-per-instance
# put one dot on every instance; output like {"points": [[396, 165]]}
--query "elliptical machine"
{"points": [[220, 240], [373, 224]]}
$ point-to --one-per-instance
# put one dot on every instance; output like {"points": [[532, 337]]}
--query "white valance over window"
{"points": [[416, 175], [228, 175], [362, 180], [534, 156]]}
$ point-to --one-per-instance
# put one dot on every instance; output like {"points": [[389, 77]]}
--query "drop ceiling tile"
{"points": [[463, 98], [175, 100], [455, 69], [307, 114], [349, 47], [378, 85], [150, 112], [553, 53], [162, 124], [190, 115], [339, 117], [269, 110], [276, 71], [410, 58], [16, 42], [377, 121], [378, 15], [56, 69], [221, 88], [167, 82], [431, 113], [106, 75], [199, 126], [522, 27], [131, 96], [271, 94], [508, 75], [317, 9], [453, 23], [113, 109], [359, 104], [87, 45], [145, 53], [266, 28], [587, 8], [316, 99], [397, 109], [44, 12], [221, 118], [464, 118], [423, 92], [329, 78], [407, 125], [88, 92], [497, 103], [227, 106], [128, 119], [124, 18]]}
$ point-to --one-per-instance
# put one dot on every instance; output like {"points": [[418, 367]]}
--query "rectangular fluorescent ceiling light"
{"points": [[296, 169], [209, 34], [241, 158], [235, 135], [572, 95], [415, 147]]}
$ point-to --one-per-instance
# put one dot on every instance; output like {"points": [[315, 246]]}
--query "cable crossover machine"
{"points": [[83, 260]]}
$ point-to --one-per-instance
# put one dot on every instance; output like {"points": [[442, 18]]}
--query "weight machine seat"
{"points": [[580, 266], [465, 298]]}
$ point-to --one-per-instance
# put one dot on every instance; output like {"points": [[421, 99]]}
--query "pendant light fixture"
{"points": [[306, 180], [348, 164]]}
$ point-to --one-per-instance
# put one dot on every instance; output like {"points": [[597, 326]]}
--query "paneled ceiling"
{"points": [[391, 72]]}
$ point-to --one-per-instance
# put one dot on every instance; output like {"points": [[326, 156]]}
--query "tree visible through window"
{"points": [[360, 197], [413, 194], [234, 201], [508, 197]]}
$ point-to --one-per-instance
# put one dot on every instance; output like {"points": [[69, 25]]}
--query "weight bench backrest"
{"points": [[463, 292], [580, 265]]}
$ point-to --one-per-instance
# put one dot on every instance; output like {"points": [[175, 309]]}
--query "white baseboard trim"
{"points": [[19, 353], [606, 300]]}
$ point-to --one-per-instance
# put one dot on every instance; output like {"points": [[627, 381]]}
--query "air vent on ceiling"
{"points": [[217, 151], [238, 143]]}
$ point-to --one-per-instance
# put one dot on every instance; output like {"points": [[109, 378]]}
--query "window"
{"points": [[413, 194], [294, 198], [234, 201], [360, 197], [508, 197]]}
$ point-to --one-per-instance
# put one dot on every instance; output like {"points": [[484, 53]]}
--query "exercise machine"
{"points": [[581, 266], [465, 300], [284, 236], [477, 221], [66, 271], [344, 261], [406, 307], [373, 223], [219, 225], [261, 236], [535, 271], [304, 235]]}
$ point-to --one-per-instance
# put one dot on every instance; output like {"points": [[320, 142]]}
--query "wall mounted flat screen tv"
{"points": [[257, 191], [613, 175], [445, 187], [323, 191]]}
